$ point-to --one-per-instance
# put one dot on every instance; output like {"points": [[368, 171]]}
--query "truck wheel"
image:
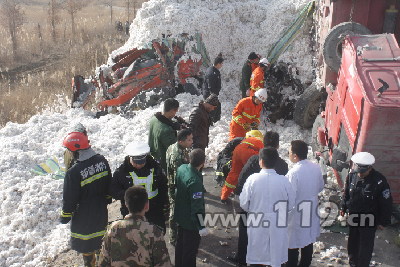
{"points": [[332, 48], [307, 106]]}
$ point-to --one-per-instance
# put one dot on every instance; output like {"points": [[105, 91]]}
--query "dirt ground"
{"points": [[212, 253]]}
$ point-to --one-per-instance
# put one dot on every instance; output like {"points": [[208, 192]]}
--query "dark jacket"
{"points": [[253, 166], [162, 134], [199, 122], [85, 199], [370, 195], [189, 200], [155, 184], [224, 159], [212, 82], [245, 79]]}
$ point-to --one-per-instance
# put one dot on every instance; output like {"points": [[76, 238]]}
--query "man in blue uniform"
{"points": [[366, 195], [212, 85], [140, 168]]}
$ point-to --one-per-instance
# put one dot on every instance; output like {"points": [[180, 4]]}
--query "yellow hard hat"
{"points": [[255, 133]]}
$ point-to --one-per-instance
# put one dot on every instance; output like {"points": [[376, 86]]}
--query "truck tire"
{"points": [[307, 106], [332, 48]]}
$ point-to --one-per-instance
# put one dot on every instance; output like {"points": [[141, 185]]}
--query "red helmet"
{"points": [[76, 141]]}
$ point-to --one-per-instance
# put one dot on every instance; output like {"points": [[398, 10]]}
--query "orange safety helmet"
{"points": [[76, 141]]}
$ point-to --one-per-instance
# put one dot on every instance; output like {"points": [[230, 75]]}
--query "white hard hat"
{"points": [[264, 61], [363, 158], [137, 149], [261, 94]]}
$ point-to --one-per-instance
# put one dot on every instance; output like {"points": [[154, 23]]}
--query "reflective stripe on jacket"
{"points": [[257, 79]]}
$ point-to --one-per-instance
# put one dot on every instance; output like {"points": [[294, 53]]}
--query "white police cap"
{"points": [[137, 149], [363, 158]]}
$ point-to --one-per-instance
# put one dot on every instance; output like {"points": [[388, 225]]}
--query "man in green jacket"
{"points": [[177, 154], [162, 131], [248, 67], [189, 206]]}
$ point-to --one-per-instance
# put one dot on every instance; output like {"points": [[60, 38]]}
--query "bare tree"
{"points": [[72, 7], [110, 4], [128, 4], [134, 8], [12, 18], [54, 17]]}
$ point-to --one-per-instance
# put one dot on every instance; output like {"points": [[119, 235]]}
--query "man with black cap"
{"points": [[140, 168], [249, 66], [200, 121], [368, 201], [212, 85]]}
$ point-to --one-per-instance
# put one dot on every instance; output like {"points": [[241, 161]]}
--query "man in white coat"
{"points": [[267, 197], [304, 222]]}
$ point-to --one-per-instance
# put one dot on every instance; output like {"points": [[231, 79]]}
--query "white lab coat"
{"points": [[306, 180], [267, 245]]}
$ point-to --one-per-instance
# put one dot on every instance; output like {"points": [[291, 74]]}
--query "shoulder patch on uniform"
{"points": [[386, 193], [197, 195]]}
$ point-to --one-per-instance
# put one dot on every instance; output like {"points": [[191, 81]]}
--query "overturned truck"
{"points": [[166, 67]]}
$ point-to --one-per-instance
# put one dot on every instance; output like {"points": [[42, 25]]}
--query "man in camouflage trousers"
{"points": [[177, 154], [133, 241]]}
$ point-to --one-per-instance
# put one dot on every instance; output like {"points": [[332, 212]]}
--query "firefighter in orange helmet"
{"points": [[246, 114], [247, 148], [257, 80]]}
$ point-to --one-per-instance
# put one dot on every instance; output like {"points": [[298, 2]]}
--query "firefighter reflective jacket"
{"points": [[85, 199], [245, 113], [247, 148], [257, 80], [152, 178]]}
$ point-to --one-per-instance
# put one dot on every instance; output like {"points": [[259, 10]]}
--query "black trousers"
{"points": [[186, 248], [242, 241], [360, 245], [305, 259]]}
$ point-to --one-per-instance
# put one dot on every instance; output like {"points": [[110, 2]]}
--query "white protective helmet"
{"points": [[264, 62], [135, 149], [261, 94], [363, 158]]}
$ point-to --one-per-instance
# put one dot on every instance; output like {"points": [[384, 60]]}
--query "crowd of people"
{"points": [[160, 180]]}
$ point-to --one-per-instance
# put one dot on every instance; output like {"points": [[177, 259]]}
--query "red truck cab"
{"points": [[363, 110]]}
